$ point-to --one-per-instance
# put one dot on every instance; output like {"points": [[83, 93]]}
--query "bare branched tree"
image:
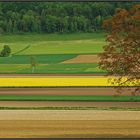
{"points": [[33, 63]]}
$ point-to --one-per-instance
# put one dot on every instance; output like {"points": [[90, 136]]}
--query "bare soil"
{"points": [[69, 104], [69, 129], [83, 59], [64, 91], [68, 115]]}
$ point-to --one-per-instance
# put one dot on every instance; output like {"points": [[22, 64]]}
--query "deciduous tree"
{"points": [[121, 56]]}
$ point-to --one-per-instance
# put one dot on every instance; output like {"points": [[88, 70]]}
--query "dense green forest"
{"points": [[52, 17]]}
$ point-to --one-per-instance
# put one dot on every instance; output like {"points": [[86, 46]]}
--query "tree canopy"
{"points": [[121, 56], [52, 17]]}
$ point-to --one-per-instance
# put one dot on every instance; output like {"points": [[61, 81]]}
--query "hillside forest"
{"points": [[56, 17]]}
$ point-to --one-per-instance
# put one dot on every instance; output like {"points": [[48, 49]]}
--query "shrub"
{"points": [[5, 51]]}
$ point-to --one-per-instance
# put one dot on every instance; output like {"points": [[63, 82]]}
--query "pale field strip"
{"points": [[83, 59], [53, 81], [68, 115]]}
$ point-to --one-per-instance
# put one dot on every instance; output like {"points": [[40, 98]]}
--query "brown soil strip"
{"points": [[69, 129], [69, 104], [83, 59], [63, 91], [68, 115]]}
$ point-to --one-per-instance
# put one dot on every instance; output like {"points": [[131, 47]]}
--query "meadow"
{"points": [[50, 51]]}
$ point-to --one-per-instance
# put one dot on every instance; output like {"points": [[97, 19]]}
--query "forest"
{"points": [[56, 17]]}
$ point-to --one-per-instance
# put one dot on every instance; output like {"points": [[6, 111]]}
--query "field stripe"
{"points": [[69, 98], [56, 81], [69, 129], [68, 115], [67, 105]]}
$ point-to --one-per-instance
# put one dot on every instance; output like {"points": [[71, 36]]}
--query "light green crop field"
{"points": [[49, 51], [84, 43]]}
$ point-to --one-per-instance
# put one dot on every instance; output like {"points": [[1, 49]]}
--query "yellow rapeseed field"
{"points": [[55, 81]]}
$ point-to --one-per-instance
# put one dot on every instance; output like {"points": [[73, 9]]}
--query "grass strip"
{"points": [[70, 108], [40, 59], [69, 98]]}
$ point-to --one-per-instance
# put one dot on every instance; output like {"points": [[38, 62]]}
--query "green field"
{"points": [[41, 59], [69, 98], [49, 51], [51, 69]]}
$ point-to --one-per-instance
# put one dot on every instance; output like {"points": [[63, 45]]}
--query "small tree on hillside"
{"points": [[6, 51], [33, 63], [121, 56]]}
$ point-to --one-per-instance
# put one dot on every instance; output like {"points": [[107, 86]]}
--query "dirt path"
{"points": [[62, 91], [69, 129], [69, 104]]}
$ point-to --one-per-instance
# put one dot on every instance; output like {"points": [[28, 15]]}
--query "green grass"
{"points": [[65, 69], [82, 43], [12, 68], [19, 51], [14, 38], [52, 68], [65, 47], [41, 59], [70, 108], [69, 98]]}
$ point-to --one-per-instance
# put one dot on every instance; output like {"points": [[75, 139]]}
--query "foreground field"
{"points": [[69, 115], [68, 124], [69, 129]]}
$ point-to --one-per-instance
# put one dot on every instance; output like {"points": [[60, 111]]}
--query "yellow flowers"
{"points": [[55, 81]]}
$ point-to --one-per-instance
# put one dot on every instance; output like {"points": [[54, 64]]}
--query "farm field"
{"points": [[68, 105], [65, 97], [69, 64], [69, 98], [69, 70], [60, 81], [69, 115], [54, 53], [96, 124], [103, 91], [55, 43], [52, 69], [69, 129]]}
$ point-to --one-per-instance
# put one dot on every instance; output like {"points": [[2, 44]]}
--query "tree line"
{"points": [[52, 17]]}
